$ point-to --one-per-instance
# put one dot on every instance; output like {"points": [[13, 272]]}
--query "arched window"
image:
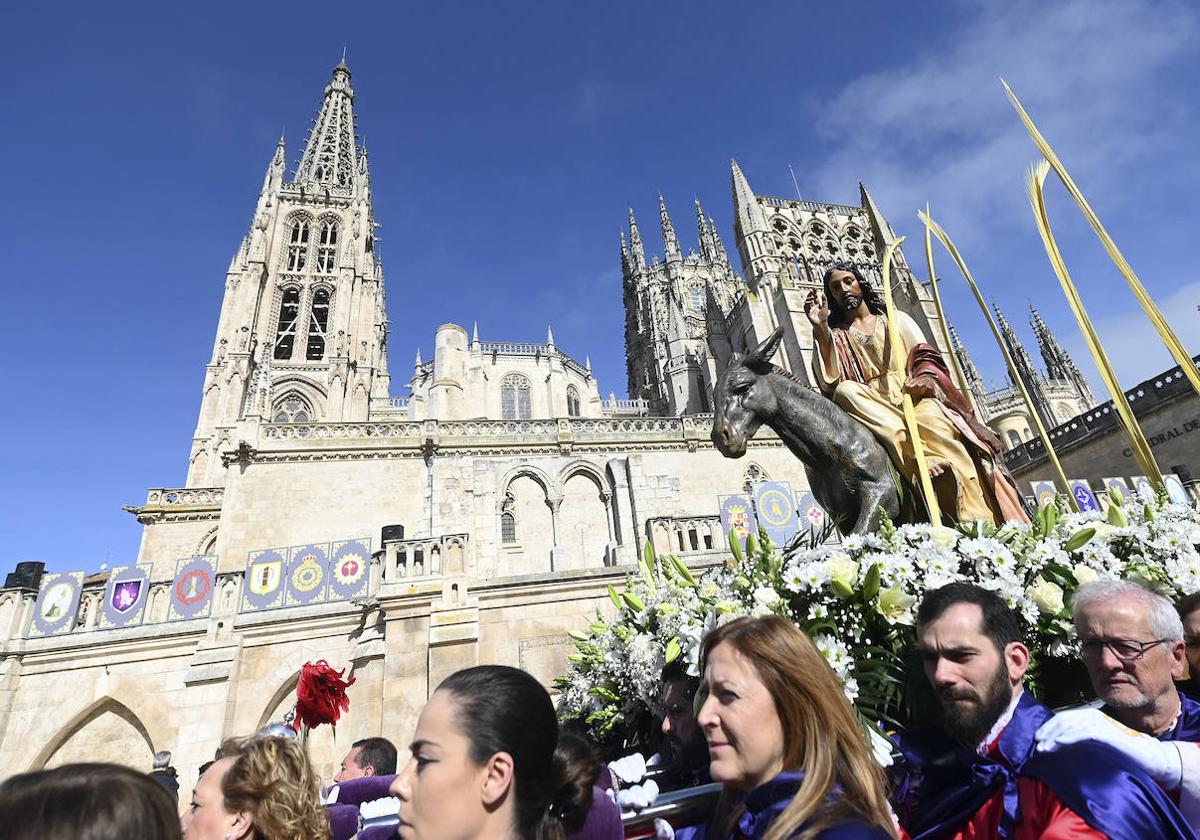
{"points": [[572, 401], [697, 295], [317, 324], [514, 398], [285, 332], [297, 254], [291, 409], [1014, 439], [508, 519], [327, 248]]}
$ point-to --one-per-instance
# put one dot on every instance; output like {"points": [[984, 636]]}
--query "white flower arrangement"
{"points": [[856, 600]]}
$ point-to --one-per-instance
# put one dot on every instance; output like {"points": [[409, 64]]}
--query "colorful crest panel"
{"points": [[57, 604], [737, 515], [776, 510], [125, 597], [307, 575], [1143, 486], [263, 586], [812, 515], [1084, 497], [1043, 492], [192, 589], [349, 569], [1175, 490]]}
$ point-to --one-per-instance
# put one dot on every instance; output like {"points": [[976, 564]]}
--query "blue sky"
{"points": [[506, 142]]}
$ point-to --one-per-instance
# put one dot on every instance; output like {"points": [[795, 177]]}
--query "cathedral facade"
{"points": [[500, 496]]}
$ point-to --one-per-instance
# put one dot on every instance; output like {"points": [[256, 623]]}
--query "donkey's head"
{"points": [[743, 398]]}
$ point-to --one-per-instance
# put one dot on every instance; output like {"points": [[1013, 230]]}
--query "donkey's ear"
{"points": [[763, 353]]}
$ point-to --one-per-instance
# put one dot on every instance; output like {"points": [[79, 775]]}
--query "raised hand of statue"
{"points": [[816, 307]]}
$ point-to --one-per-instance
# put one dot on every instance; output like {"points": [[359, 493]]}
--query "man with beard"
{"points": [[979, 775], [1132, 643], [852, 367], [684, 743]]}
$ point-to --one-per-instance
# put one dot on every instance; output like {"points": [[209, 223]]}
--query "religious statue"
{"points": [[851, 367]]}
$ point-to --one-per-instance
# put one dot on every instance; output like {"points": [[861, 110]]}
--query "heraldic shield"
{"points": [[263, 587], [192, 589], [125, 597], [307, 573], [350, 569], [737, 516], [57, 604]]}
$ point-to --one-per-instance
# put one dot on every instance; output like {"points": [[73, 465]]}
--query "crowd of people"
{"points": [[766, 720]]}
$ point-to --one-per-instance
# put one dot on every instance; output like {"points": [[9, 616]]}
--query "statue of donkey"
{"points": [[848, 470]]}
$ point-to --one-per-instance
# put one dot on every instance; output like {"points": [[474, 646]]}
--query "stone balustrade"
{"points": [[182, 497], [424, 558], [691, 538]]}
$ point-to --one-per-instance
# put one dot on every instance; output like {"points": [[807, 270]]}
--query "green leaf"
{"points": [[841, 589], [601, 691], [635, 603], [1079, 540], [577, 636], [735, 545], [751, 543], [684, 571], [674, 649], [612, 593]]}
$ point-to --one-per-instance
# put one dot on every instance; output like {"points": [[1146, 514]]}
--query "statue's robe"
{"points": [[856, 375]]}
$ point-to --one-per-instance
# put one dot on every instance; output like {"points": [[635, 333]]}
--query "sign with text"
{"points": [[776, 509], [57, 604], [193, 588]]}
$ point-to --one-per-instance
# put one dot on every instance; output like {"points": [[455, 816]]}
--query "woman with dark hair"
{"points": [[784, 740], [483, 762], [91, 801]]}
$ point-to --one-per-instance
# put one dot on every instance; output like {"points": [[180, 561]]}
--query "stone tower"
{"points": [[675, 316], [1030, 376], [971, 374], [302, 333], [1059, 365], [787, 244]]}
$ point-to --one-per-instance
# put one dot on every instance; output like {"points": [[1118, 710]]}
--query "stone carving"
{"points": [[848, 471]]}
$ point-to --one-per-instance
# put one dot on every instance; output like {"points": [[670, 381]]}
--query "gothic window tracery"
{"points": [[297, 253], [572, 401], [514, 398], [508, 519], [285, 331], [697, 298], [291, 408], [753, 477], [318, 323], [327, 247]]}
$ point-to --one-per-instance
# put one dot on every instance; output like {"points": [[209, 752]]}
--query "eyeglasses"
{"points": [[1124, 649]]}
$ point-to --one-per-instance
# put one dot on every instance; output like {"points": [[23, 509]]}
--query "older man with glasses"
{"points": [[1132, 642]]}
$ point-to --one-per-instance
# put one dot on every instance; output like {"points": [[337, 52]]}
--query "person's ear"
{"points": [[1016, 657], [242, 826], [1177, 651], [498, 775]]}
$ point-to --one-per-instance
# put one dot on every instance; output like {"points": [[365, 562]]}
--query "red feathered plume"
{"points": [[320, 695]]}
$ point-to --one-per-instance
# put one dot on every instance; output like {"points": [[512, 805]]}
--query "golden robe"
{"points": [[964, 488]]}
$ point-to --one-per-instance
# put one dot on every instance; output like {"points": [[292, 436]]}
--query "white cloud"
{"points": [[940, 128]]}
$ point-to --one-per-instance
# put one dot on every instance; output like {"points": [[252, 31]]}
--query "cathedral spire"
{"points": [[635, 242], [670, 241], [330, 157], [708, 249], [1059, 364], [970, 372], [748, 214], [1025, 369], [882, 231], [624, 252], [715, 238]]}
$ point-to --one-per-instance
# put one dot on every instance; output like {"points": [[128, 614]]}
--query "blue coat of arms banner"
{"points": [[192, 589], [1142, 485], [776, 510], [1084, 497], [1175, 490], [349, 569], [737, 516], [307, 575], [125, 597], [1043, 491], [57, 604], [812, 516], [263, 587]]}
